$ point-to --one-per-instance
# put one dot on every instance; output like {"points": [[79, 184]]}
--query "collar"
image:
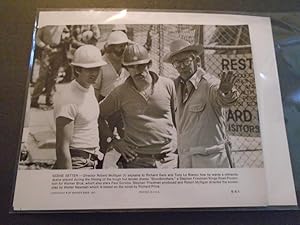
{"points": [[196, 78], [105, 58], [78, 86], [109, 59]]}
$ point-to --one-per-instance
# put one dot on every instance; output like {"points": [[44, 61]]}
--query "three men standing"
{"points": [[150, 104]]}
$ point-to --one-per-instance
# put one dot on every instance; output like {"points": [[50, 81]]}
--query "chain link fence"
{"points": [[226, 48]]}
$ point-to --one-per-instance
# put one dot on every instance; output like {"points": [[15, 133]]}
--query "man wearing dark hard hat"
{"points": [[76, 111], [201, 102], [146, 102]]}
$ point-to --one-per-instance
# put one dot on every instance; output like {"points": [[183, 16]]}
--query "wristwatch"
{"points": [[225, 94], [109, 140]]}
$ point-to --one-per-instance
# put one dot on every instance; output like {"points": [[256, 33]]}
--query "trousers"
{"points": [[48, 72], [83, 160], [150, 161]]}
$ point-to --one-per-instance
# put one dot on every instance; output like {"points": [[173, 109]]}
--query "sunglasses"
{"points": [[184, 62]]}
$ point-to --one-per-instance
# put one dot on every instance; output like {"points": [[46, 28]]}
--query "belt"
{"points": [[83, 154], [158, 147], [153, 156], [56, 46]]}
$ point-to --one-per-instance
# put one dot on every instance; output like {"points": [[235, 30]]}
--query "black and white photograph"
{"points": [[113, 95], [169, 96]]}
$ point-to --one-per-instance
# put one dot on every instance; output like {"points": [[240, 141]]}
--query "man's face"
{"points": [[118, 49], [139, 73], [88, 76], [185, 63]]}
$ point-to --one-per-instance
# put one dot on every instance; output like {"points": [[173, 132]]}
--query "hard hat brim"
{"points": [[116, 38], [196, 48], [117, 42], [144, 61], [89, 65]]}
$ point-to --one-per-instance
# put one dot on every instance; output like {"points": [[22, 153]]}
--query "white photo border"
{"points": [[277, 166]]}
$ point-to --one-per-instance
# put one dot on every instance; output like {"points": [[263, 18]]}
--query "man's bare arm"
{"points": [[64, 132]]}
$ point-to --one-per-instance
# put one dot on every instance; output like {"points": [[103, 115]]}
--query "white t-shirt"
{"points": [[80, 105]]}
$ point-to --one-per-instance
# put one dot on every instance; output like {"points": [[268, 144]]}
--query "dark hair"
{"points": [[76, 71]]}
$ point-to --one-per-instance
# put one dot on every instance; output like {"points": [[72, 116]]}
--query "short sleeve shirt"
{"points": [[80, 105], [148, 121]]}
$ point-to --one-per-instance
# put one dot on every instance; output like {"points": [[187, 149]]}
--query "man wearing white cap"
{"points": [[76, 112], [111, 76], [200, 115]]}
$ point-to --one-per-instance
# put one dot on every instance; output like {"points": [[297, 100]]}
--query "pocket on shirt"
{"points": [[197, 108], [206, 151]]}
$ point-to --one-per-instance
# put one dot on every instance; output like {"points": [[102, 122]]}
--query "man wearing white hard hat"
{"points": [[123, 28], [201, 103], [76, 112], [146, 102], [111, 76]]}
